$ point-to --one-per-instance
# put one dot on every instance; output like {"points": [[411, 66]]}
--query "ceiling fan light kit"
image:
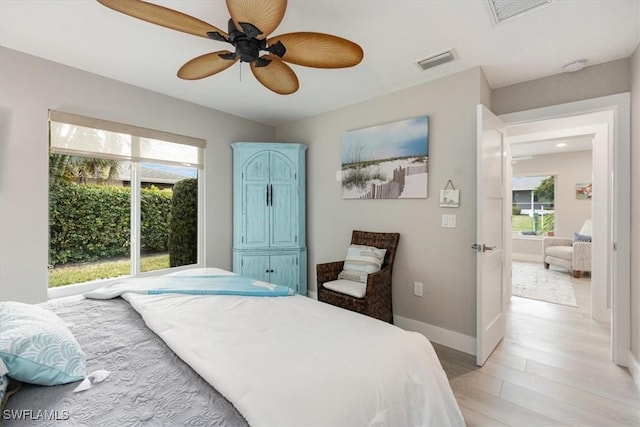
{"points": [[252, 21]]}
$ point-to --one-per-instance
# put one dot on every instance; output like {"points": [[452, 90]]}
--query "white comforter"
{"points": [[293, 361]]}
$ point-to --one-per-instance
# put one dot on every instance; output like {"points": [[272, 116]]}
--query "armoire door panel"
{"points": [[256, 267], [284, 270], [280, 168], [255, 216], [283, 216], [283, 220], [257, 167]]}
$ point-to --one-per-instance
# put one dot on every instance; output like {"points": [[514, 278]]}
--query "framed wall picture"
{"points": [[387, 161], [583, 191]]}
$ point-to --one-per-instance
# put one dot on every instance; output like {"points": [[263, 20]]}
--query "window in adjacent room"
{"points": [[533, 205], [123, 201]]}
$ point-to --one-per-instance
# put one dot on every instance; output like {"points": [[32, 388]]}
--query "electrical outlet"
{"points": [[417, 289], [338, 175]]}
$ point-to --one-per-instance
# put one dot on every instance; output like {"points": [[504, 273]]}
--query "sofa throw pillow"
{"points": [[37, 347], [362, 260], [581, 238]]}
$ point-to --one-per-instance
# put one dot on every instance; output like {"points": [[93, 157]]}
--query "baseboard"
{"points": [[634, 367], [439, 335], [526, 257]]}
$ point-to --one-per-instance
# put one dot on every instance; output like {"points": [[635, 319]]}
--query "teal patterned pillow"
{"points": [[4, 383], [37, 347]]}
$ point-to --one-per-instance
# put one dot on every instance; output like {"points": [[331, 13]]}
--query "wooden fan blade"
{"points": [[266, 15], [205, 66], [318, 50], [277, 76], [163, 16]]}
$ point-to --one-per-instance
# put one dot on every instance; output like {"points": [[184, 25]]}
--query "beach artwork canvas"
{"points": [[387, 161]]}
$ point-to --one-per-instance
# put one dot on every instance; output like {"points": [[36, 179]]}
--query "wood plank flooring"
{"points": [[553, 368]]}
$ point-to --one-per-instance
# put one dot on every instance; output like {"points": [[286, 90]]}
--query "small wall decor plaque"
{"points": [[449, 196]]}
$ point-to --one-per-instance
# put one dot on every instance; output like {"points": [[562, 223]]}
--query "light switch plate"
{"points": [[448, 221], [417, 289]]}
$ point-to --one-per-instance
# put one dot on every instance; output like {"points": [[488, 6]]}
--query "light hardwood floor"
{"points": [[551, 369]]}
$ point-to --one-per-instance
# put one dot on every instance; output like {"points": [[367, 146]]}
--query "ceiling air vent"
{"points": [[435, 60], [502, 10]]}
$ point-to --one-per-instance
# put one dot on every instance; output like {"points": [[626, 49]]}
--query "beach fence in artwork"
{"points": [[393, 189]]}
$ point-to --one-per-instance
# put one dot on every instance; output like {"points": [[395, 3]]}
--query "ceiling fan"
{"points": [[250, 24]]}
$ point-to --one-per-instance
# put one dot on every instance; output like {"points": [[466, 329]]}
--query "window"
{"points": [[123, 201], [533, 205]]}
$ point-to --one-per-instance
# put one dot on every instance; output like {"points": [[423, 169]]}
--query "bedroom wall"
{"points": [[440, 258], [635, 210], [29, 87], [592, 82]]}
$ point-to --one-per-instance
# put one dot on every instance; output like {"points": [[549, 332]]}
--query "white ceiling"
{"points": [[394, 35], [524, 150]]}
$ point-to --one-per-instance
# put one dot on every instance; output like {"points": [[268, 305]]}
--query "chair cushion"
{"points": [[562, 252], [347, 287], [360, 261]]}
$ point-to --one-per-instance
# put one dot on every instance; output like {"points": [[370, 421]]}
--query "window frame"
{"points": [[136, 133], [518, 234]]}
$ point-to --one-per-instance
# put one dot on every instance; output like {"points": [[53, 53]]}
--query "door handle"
{"points": [[482, 247]]}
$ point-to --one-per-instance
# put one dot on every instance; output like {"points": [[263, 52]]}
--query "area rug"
{"points": [[532, 280]]}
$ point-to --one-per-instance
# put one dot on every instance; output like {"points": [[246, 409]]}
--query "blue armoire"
{"points": [[269, 236]]}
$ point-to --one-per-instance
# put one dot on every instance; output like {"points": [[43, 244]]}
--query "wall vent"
{"points": [[502, 10], [435, 60]]}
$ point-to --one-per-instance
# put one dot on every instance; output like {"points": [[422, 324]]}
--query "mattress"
{"points": [[148, 384]]}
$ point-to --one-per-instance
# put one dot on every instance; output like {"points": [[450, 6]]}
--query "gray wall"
{"points": [[592, 82], [30, 86], [635, 204], [440, 258]]}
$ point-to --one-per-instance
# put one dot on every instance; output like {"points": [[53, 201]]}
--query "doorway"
{"points": [[608, 120], [547, 211]]}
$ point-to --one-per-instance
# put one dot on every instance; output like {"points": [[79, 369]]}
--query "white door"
{"points": [[491, 213]]}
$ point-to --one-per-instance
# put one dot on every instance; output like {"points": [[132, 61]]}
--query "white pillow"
{"points": [[361, 261]]}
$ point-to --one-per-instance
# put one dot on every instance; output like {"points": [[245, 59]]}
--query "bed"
{"points": [[236, 360]]}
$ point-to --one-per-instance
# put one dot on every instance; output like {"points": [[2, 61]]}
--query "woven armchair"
{"points": [[377, 300]]}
